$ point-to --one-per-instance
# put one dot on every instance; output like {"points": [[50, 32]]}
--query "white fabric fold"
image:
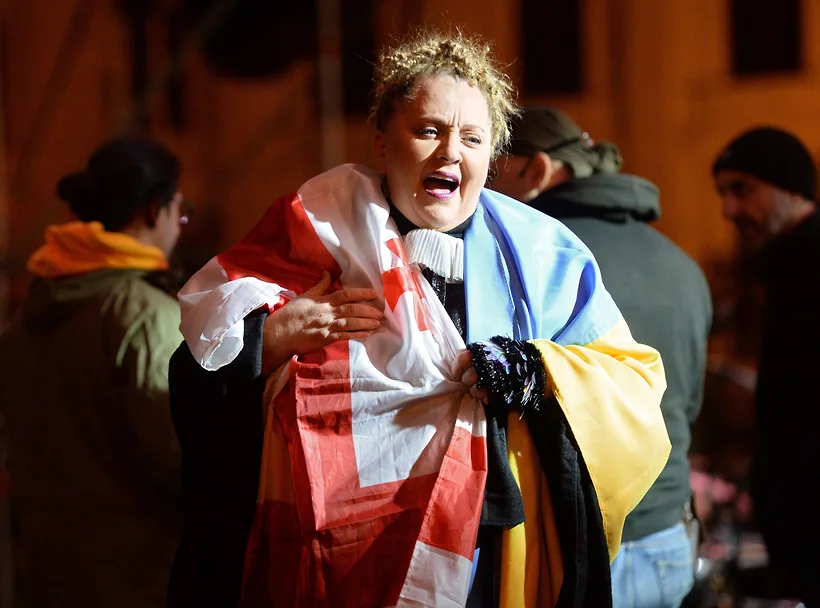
{"points": [[440, 252]]}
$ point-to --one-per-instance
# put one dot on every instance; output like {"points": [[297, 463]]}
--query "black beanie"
{"points": [[774, 156]]}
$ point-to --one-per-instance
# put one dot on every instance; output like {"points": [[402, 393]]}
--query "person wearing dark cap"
{"points": [[557, 168], [768, 182], [84, 389]]}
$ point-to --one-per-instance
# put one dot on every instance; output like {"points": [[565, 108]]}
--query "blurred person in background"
{"points": [[768, 182], [555, 167], [399, 386], [84, 389]]}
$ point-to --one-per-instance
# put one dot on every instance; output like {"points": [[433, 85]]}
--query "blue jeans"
{"points": [[653, 572]]}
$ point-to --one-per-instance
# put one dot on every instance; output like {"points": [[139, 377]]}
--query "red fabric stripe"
{"points": [[396, 247], [282, 248], [458, 496], [361, 565], [400, 280], [397, 281]]}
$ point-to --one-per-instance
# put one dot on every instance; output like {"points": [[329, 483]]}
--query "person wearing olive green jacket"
{"points": [[84, 389]]}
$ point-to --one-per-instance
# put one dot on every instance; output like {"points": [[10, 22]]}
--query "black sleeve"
{"points": [[218, 420]]}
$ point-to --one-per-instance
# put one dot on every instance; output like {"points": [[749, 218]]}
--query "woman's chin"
{"points": [[443, 224], [441, 214]]}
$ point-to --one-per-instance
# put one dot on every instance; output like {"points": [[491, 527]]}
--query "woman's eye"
{"points": [[473, 139], [428, 132]]}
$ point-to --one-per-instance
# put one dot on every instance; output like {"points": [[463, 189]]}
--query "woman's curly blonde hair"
{"points": [[399, 69]]}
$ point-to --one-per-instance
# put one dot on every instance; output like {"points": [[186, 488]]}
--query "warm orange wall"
{"points": [[84, 98], [656, 76], [243, 143], [680, 104]]}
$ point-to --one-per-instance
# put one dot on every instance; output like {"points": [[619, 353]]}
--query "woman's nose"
{"points": [[450, 149]]}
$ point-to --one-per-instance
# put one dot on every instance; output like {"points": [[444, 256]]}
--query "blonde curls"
{"points": [[399, 69]]}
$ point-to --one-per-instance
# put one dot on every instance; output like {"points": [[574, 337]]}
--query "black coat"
{"points": [[786, 466]]}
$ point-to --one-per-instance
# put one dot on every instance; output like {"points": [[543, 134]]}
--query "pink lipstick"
{"points": [[441, 184]]}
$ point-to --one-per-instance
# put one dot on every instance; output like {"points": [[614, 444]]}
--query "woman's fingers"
{"points": [[479, 393], [470, 376], [353, 324], [358, 310], [461, 363], [347, 335], [351, 295]]}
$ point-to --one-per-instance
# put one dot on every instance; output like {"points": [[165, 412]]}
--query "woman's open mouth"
{"points": [[440, 184]]}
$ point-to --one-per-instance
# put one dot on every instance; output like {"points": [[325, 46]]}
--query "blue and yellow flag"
{"points": [[529, 277]]}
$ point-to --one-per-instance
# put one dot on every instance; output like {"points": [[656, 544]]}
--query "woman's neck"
{"points": [[405, 225]]}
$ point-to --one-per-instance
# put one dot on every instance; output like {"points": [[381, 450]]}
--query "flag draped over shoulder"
{"points": [[546, 288], [374, 466], [374, 457]]}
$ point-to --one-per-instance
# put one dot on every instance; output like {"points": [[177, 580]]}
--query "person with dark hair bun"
{"points": [[128, 186], [84, 388]]}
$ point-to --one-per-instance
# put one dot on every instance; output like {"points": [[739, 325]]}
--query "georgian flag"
{"points": [[375, 457]]}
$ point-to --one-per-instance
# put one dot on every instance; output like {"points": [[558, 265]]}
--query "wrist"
{"points": [[276, 345]]}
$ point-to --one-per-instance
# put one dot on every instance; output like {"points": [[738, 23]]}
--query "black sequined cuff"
{"points": [[512, 372]]}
